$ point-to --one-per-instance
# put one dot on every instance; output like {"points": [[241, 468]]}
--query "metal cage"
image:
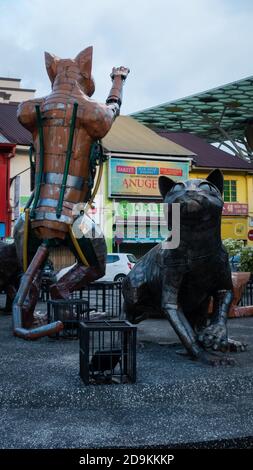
{"points": [[102, 297], [70, 313], [107, 352]]}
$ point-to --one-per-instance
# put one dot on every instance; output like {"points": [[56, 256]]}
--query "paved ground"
{"points": [[175, 401]]}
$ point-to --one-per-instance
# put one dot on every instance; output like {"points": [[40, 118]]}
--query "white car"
{"points": [[118, 266]]}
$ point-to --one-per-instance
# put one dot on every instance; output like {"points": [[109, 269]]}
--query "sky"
{"points": [[174, 48]]}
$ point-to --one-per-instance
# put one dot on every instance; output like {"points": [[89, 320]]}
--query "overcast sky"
{"points": [[173, 47]]}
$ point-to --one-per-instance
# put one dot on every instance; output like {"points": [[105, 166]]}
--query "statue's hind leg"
{"points": [[77, 277], [26, 299], [90, 266]]}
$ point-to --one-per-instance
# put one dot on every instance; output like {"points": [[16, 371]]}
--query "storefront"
{"points": [[139, 221], [235, 221], [133, 219], [237, 216]]}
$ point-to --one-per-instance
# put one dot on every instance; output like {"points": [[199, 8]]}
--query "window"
{"points": [[131, 258], [230, 192], [112, 258]]}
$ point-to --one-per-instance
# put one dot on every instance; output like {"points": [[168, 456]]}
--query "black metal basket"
{"points": [[70, 313], [107, 352], [102, 297]]}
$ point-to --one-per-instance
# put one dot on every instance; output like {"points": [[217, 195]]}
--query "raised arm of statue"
{"points": [[100, 117], [114, 100]]}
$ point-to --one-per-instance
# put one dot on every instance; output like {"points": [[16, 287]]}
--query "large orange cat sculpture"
{"points": [[65, 125]]}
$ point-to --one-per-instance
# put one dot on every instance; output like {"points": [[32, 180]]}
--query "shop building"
{"points": [[129, 194], [11, 94], [7, 152], [221, 116], [237, 218]]}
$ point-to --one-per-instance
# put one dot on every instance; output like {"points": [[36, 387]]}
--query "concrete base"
{"points": [[175, 402]]}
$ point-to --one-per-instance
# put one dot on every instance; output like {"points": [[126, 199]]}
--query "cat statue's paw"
{"points": [[214, 337]]}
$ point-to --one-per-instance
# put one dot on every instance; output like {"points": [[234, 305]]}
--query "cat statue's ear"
{"points": [[165, 184], [51, 65], [84, 61], [216, 178]]}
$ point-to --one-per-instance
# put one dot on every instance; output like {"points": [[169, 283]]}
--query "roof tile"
{"points": [[10, 128]]}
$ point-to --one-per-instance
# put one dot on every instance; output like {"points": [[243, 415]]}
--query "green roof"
{"points": [[229, 107]]}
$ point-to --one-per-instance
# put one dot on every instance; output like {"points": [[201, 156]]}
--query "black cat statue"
{"points": [[180, 282]]}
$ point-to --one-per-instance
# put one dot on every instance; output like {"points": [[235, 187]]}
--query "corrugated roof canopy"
{"points": [[229, 107], [129, 136]]}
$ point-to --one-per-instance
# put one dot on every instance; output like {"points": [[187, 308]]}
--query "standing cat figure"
{"points": [[65, 126], [181, 282]]}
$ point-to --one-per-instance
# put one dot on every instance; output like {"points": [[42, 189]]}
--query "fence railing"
{"points": [[247, 296], [107, 297], [99, 296]]}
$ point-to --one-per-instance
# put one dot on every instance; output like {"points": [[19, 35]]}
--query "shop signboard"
{"points": [[138, 178], [235, 208]]}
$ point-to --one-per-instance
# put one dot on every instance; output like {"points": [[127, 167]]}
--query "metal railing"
{"points": [[100, 296], [247, 296]]}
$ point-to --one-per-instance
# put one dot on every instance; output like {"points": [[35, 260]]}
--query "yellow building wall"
{"points": [[104, 206], [236, 227], [250, 194]]}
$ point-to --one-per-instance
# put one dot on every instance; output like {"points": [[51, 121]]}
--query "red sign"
{"points": [[250, 235], [171, 171], [234, 208], [118, 238], [125, 169]]}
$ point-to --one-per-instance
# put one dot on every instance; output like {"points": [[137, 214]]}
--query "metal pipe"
{"points": [[41, 162], [100, 173], [67, 162], [29, 202], [18, 330], [25, 240]]}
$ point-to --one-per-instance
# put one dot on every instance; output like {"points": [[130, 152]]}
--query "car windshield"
{"points": [[131, 258], [112, 258]]}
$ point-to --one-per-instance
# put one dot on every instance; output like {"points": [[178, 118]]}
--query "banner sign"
{"points": [[139, 178], [234, 208]]}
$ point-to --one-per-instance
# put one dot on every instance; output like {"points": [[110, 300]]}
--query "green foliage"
{"points": [[246, 260], [236, 247], [233, 247]]}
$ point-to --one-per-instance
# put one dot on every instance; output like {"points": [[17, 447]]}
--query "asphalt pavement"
{"points": [[175, 401]]}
